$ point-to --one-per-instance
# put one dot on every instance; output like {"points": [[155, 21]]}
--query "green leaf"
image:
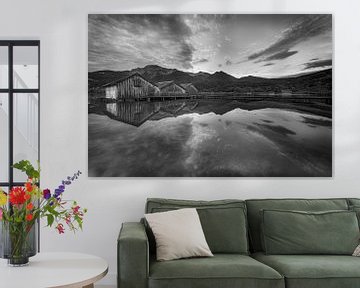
{"points": [[79, 221], [50, 219], [53, 211], [26, 167]]}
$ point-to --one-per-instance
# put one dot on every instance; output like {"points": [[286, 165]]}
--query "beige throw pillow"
{"points": [[178, 234], [357, 251]]}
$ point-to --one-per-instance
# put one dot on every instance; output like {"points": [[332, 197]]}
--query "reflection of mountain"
{"points": [[134, 113], [137, 113], [318, 82]]}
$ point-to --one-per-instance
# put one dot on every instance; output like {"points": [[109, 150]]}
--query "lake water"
{"points": [[206, 139]]}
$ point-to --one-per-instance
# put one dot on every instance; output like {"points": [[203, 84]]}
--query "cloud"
{"points": [[318, 64], [314, 59], [202, 60], [306, 27], [268, 64], [122, 41], [281, 55]]}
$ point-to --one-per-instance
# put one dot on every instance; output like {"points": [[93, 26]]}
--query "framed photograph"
{"points": [[220, 95]]}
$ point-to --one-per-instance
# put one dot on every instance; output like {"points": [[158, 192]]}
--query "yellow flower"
{"points": [[3, 198]]}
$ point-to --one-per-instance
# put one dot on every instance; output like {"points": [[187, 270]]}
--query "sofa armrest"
{"points": [[133, 256]]}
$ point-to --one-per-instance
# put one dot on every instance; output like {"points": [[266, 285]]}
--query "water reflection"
{"points": [[137, 113], [204, 138], [134, 113]]}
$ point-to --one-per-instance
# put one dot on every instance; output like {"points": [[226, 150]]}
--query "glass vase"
{"points": [[18, 242]]}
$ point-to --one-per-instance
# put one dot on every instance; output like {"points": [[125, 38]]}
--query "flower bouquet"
{"points": [[21, 208]]}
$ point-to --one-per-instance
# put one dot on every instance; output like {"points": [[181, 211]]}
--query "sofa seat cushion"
{"points": [[314, 271], [222, 270]]}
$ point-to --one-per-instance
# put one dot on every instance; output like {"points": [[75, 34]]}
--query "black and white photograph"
{"points": [[210, 95]]}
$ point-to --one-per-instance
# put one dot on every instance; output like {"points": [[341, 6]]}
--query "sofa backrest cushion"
{"points": [[356, 209], [223, 221], [298, 232], [255, 206], [354, 205], [353, 202]]}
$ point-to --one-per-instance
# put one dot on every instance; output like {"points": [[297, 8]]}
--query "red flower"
{"points": [[29, 186], [29, 217], [27, 196], [17, 196], [75, 209], [29, 206], [68, 219], [60, 228]]}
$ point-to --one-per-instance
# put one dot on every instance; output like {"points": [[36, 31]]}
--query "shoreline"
{"points": [[317, 109], [180, 107], [205, 106]]}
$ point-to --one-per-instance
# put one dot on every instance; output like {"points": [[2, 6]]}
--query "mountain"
{"points": [[156, 73], [252, 79], [317, 82], [222, 76], [99, 78]]}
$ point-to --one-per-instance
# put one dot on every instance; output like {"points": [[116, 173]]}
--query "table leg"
{"points": [[89, 286]]}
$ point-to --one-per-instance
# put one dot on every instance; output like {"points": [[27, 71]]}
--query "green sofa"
{"points": [[233, 231]]}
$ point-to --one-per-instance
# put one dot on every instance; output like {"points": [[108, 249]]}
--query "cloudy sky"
{"points": [[260, 45]]}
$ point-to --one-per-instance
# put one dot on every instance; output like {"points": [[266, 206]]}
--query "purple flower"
{"points": [[58, 192], [46, 194], [68, 181]]}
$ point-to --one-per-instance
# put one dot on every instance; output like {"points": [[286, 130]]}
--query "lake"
{"points": [[207, 139]]}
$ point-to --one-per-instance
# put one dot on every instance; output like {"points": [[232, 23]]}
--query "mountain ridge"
{"points": [[220, 81]]}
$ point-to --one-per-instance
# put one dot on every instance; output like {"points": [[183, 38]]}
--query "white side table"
{"points": [[50, 270]]}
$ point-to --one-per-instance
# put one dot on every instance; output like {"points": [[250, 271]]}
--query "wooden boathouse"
{"points": [[170, 89], [134, 86], [190, 88]]}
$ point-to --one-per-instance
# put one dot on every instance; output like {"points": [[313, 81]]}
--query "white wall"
{"points": [[61, 25]]}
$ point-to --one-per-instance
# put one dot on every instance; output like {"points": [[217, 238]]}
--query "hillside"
{"points": [[99, 78], [317, 82]]}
